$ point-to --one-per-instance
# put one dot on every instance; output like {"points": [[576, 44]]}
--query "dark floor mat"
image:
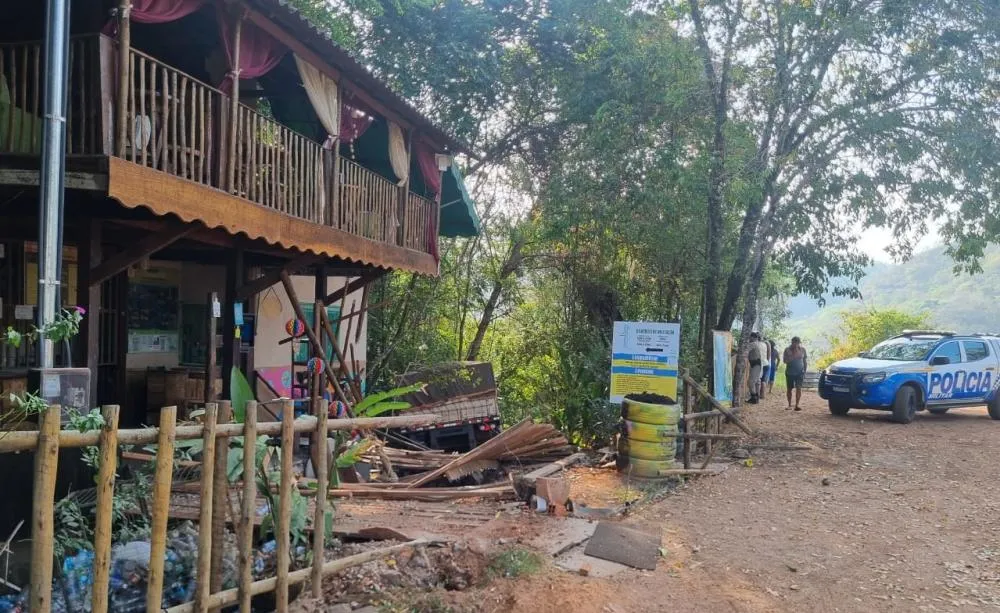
{"points": [[619, 543]]}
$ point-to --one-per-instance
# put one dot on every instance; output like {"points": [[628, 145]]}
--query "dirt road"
{"points": [[879, 517]]}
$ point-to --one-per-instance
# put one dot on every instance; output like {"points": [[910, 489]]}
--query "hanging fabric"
{"points": [[323, 95], [354, 120], [427, 161], [398, 157], [155, 11], [259, 51]]}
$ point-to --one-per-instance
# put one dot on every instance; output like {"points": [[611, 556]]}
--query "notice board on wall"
{"points": [[154, 311]]}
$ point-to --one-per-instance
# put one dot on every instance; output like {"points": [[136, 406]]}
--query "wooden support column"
{"points": [[230, 344], [220, 493], [124, 76], [88, 296], [234, 106], [318, 386], [211, 331]]}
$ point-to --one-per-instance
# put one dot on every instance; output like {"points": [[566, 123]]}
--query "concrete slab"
{"points": [[624, 544], [575, 559]]}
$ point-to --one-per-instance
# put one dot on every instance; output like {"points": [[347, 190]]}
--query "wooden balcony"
{"points": [[179, 128]]}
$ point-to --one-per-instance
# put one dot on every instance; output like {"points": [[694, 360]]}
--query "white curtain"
{"points": [[325, 100], [322, 91], [397, 153]]}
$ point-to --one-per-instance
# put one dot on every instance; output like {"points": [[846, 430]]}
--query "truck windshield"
{"points": [[903, 349]]}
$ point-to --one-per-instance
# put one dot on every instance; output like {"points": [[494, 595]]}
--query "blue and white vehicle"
{"points": [[917, 370]]}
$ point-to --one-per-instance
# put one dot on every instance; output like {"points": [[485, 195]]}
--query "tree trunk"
{"points": [[749, 319], [509, 267]]}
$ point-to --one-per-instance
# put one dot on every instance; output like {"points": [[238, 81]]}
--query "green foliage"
{"points": [[11, 337], [379, 403], [862, 330], [352, 455], [241, 393], [514, 563], [74, 531]]}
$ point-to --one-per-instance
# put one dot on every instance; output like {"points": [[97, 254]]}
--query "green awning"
{"points": [[458, 211]]}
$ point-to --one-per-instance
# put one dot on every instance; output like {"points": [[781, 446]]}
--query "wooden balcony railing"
{"points": [[277, 167], [171, 121], [21, 90], [177, 124]]}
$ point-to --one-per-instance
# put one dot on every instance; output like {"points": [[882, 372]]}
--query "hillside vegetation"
{"points": [[926, 284]]}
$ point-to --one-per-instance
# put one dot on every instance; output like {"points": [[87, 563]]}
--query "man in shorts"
{"points": [[795, 359], [755, 358]]}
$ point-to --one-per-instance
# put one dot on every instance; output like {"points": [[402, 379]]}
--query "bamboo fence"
{"points": [[49, 439]]}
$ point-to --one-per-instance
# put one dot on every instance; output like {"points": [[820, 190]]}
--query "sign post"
{"points": [[644, 359]]}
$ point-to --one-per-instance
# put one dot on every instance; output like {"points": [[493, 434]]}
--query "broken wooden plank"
{"points": [[718, 405]]}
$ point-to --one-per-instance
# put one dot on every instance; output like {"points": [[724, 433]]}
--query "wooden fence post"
{"points": [[162, 478], [282, 533], [249, 508], [43, 501], [203, 576], [686, 403], [220, 493], [319, 521], [106, 472]]}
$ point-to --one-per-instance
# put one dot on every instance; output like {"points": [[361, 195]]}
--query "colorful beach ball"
{"points": [[295, 327], [315, 365]]}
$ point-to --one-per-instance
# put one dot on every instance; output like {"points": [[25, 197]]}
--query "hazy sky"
{"points": [[874, 241]]}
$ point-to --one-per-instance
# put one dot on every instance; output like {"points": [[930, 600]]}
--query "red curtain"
{"points": [[429, 168], [259, 51], [156, 11], [354, 120]]}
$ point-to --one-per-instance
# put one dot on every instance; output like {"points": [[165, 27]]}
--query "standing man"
{"points": [[796, 362], [773, 348], [765, 367], [755, 358]]}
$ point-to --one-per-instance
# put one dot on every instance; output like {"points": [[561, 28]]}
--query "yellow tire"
{"points": [[661, 451], [655, 414], [649, 433], [648, 469]]}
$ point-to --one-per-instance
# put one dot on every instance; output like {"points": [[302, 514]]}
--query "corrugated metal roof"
{"points": [[286, 15]]}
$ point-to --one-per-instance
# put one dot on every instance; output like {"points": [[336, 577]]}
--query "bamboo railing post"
{"points": [[319, 521], [248, 510], [43, 501], [162, 478], [220, 487], [106, 472], [285, 506], [234, 105], [205, 528], [124, 77]]}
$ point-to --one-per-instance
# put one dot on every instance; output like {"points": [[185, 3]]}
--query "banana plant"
{"points": [[379, 403]]}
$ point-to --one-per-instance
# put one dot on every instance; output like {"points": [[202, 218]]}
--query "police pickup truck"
{"points": [[917, 370]]}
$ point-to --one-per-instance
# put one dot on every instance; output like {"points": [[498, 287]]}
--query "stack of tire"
{"points": [[648, 442]]}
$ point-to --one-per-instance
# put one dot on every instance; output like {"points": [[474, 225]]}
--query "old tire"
{"points": [[649, 433], [994, 407], [648, 469], [904, 407], [839, 407], [937, 411], [654, 414], [661, 451]]}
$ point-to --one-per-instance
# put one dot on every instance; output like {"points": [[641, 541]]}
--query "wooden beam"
{"points": [[74, 180], [260, 284], [352, 287], [716, 404], [146, 247], [235, 275]]}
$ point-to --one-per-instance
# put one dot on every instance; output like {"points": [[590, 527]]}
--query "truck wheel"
{"points": [[839, 407], [905, 405], [994, 407]]}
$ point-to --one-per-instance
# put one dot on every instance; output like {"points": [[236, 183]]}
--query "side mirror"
{"points": [[940, 360]]}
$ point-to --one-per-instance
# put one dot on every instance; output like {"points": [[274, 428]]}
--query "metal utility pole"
{"points": [[52, 170]]}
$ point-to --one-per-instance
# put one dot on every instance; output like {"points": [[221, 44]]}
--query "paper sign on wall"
{"points": [[24, 311], [644, 359]]}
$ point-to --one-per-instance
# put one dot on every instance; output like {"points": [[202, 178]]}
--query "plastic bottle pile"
{"points": [[72, 588]]}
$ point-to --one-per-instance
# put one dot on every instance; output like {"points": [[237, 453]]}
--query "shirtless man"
{"points": [[796, 362]]}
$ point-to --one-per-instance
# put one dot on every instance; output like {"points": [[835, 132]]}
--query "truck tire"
{"points": [[839, 407], [994, 407], [904, 408]]}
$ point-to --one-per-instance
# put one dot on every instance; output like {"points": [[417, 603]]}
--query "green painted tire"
{"points": [[648, 469], [661, 451], [655, 414], [636, 431]]}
